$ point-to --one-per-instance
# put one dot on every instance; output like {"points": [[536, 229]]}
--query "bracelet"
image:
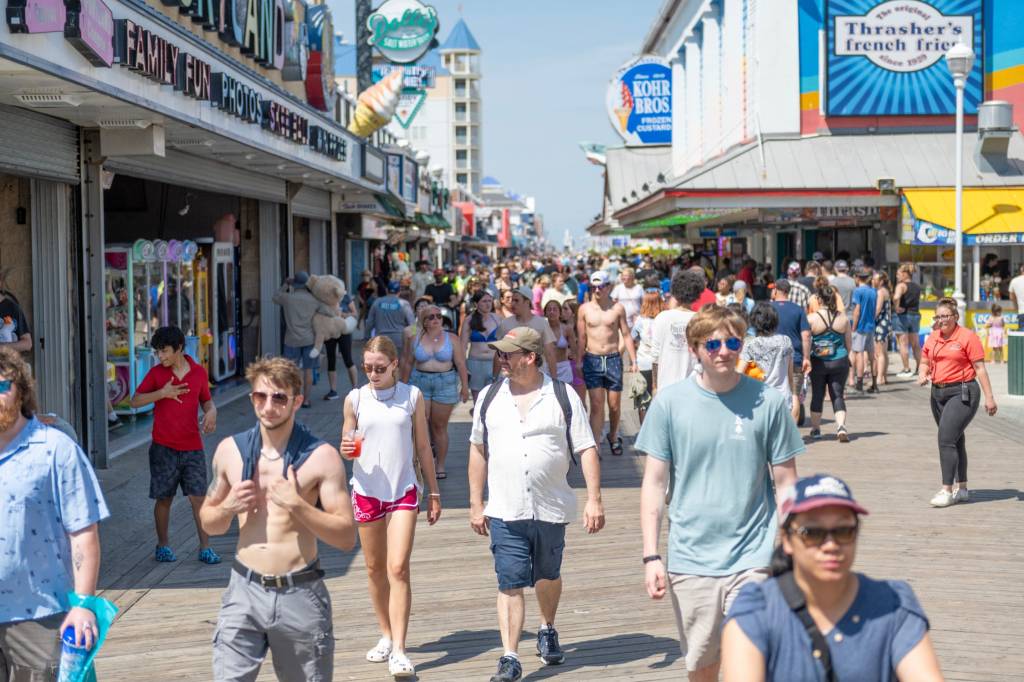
{"points": [[652, 557], [434, 495]]}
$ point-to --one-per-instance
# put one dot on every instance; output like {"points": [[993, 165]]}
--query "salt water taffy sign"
{"points": [[402, 30]]}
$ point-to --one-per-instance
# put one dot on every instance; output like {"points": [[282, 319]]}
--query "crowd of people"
{"points": [[717, 361]]}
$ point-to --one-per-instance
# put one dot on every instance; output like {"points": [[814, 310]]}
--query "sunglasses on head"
{"points": [[715, 345], [816, 537], [5, 386], [652, 290], [279, 399], [375, 369]]}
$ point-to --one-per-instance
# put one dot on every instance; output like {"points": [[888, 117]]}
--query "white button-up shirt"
{"points": [[528, 459]]}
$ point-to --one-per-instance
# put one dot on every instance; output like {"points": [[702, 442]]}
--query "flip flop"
{"points": [[441, 475], [616, 446]]}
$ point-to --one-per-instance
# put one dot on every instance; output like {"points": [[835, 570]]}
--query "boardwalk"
{"points": [[964, 563]]}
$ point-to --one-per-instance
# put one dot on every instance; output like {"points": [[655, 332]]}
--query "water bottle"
{"points": [[804, 386], [72, 657]]}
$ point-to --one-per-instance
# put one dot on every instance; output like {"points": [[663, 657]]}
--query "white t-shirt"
{"points": [[630, 298], [643, 331], [384, 469], [669, 348], [1017, 287]]}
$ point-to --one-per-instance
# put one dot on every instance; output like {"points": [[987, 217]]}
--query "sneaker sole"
{"points": [[545, 661], [843, 437]]}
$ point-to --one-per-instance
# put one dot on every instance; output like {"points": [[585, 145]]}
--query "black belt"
{"points": [[306, 575], [954, 384]]}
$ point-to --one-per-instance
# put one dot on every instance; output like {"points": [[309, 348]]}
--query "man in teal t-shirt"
{"points": [[721, 438]]}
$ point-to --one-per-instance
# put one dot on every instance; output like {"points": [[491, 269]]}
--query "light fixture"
{"points": [[661, 178], [960, 60], [115, 123], [48, 100], [646, 187], [183, 211]]}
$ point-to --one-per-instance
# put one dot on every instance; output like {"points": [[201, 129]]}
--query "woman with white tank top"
{"points": [[392, 425]]}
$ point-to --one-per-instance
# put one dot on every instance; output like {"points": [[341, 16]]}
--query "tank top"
{"points": [[829, 345], [910, 301], [384, 470]]}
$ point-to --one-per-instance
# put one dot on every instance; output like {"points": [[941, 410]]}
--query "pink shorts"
{"points": [[370, 509]]}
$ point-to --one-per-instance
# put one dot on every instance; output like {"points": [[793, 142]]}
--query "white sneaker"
{"points": [[381, 652], [961, 495], [400, 666], [943, 498], [905, 374]]}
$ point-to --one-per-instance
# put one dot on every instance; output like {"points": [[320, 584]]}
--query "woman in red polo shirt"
{"points": [[952, 359]]}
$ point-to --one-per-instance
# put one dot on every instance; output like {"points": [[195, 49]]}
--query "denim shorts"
{"points": [[906, 323], [603, 371], [300, 356], [438, 387], [481, 373], [526, 551]]}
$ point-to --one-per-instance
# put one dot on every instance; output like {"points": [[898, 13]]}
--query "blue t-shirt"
{"points": [[866, 297], [720, 447], [792, 321], [581, 295], [49, 490], [882, 625]]}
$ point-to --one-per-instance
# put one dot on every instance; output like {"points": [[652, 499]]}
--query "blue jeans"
{"points": [[526, 551], [300, 356]]}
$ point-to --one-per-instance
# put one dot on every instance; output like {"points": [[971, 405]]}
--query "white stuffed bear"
{"points": [[329, 290]]}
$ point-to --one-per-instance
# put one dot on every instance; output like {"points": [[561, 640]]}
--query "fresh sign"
{"points": [[402, 30], [639, 101], [886, 58]]}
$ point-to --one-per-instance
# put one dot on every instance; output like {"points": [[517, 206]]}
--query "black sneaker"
{"points": [[873, 389], [547, 646], [860, 385], [509, 670], [331, 395]]}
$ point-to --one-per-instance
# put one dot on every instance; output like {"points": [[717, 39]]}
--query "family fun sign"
{"points": [[886, 58]]}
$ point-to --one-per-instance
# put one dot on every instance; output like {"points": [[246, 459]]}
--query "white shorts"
{"points": [[863, 342], [564, 371]]}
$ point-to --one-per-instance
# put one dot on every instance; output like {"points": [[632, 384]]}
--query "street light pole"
{"points": [[960, 60]]}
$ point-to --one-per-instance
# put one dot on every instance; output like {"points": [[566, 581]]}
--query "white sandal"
{"points": [[381, 652], [399, 665]]}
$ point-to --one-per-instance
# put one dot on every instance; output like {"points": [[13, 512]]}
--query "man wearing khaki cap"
{"points": [[526, 429]]}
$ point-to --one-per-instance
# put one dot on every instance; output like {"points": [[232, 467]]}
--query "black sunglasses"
{"points": [[375, 369], [816, 537], [279, 399]]}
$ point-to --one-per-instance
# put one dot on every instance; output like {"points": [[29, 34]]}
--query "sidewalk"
{"points": [[963, 562]]}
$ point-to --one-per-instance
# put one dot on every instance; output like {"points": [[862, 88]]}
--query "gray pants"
{"points": [[293, 622], [30, 650], [953, 415]]}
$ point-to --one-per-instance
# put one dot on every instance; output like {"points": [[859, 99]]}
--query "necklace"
{"points": [[263, 454], [376, 395]]}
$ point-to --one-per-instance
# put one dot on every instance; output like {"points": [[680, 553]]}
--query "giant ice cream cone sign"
{"points": [[623, 111], [376, 105]]}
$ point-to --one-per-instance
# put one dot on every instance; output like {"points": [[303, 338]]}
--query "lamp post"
{"points": [[960, 60]]}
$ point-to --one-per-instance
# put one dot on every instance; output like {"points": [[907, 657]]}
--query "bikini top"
{"points": [[480, 337], [443, 354], [562, 341]]}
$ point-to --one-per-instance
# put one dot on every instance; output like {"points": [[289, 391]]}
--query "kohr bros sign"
{"points": [[639, 101], [887, 58]]}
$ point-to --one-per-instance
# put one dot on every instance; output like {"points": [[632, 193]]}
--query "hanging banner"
{"points": [[639, 101], [887, 58]]}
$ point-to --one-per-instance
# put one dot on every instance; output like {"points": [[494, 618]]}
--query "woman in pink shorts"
{"points": [[391, 420]]}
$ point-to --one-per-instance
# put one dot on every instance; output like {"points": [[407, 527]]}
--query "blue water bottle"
{"points": [[73, 658]]}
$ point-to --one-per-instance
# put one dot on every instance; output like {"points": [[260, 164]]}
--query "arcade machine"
{"points": [[180, 299], [221, 324]]}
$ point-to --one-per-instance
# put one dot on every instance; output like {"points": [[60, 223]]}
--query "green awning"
{"points": [[391, 206], [432, 220], [682, 219], [441, 223]]}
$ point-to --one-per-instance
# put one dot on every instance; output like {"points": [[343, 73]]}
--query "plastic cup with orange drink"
{"points": [[356, 436]]}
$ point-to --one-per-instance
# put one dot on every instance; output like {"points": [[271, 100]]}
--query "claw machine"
{"points": [[222, 326], [133, 280], [180, 273]]}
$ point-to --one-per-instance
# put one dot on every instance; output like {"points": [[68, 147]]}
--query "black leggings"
{"points": [[953, 415], [344, 342], [830, 374]]}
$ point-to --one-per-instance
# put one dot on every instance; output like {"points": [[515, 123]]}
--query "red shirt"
{"points": [[176, 425], [747, 275], [952, 360], [707, 297]]}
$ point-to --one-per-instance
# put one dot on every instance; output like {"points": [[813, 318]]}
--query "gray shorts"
{"points": [[30, 649], [294, 623], [700, 603], [863, 342]]}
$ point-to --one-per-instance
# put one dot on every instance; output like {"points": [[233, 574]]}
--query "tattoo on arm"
{"points": [[78, 558], [214, 481]]}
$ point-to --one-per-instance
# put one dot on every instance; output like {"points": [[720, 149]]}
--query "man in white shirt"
{"points": [[1017, 295], [629, 294], [525, 462], [422, 278], [672, 359]]}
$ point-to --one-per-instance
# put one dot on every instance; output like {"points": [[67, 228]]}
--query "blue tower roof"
{"points": [[461, 38], [433, 58], [490, 181], [344, 58]]}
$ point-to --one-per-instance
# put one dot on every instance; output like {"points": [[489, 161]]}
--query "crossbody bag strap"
{"points": [[798, 603]]}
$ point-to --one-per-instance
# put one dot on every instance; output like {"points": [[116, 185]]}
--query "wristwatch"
{"points": [[652, 557]]}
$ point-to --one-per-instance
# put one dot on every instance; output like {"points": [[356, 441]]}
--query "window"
{"points": [[460, 135], [460, 154], [461, 178], [460, 111], [460, 87]]}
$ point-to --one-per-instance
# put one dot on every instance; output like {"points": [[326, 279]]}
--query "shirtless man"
{"points": [[601, 322], [271, 478]]}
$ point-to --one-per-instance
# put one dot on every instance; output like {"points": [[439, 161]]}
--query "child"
{"points": [[772, 353], [996, 334], [178, 387]]}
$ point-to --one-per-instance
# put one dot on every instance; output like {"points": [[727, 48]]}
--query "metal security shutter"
{"points": [[312, 203], [196, 172], [270, 278], [38, 146]]}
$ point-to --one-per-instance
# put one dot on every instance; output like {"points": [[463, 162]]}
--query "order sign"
{"points": [[639, 101]]}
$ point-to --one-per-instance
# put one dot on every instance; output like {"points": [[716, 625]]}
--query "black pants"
{"points": [[953, 415], [830, 374], [344, 343]]}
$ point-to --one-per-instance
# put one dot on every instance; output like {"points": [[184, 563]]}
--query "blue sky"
{"points": [[546, 66]]}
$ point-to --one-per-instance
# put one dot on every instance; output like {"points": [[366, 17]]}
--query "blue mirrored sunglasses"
{"points": [[5, 386], [715, 345]]}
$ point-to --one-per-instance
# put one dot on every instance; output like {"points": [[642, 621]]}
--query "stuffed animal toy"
{"points": [[329, 290], [7, 334]]}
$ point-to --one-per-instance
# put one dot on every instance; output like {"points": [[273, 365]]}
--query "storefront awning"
{"points": [[391, 206], [432, 220], [991, 216]]}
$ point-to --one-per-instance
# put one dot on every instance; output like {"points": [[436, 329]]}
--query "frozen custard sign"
{"points": [[886, 58], [639, 101]]}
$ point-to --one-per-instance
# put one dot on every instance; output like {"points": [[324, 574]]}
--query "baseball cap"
{"points": [[520, 338], [300, 278], [599, 278], [552, 295], [842, 266], [814, 492], [739, 284], [818, 256], [524, 292], [394, 286], [782, 284], [793, 267]]}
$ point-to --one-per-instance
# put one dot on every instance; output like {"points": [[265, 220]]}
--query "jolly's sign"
{"points": [[402, 30]]}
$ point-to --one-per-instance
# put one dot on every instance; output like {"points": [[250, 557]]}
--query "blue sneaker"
{"points": [[208, 556], [509, 670], [165, 554], [547, 646]]}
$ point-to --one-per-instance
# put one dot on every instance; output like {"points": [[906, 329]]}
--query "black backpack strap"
{"points": [[798, 603], [562, 394], [492, 391]]}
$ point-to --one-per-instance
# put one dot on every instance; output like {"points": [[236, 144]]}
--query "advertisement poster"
{"points": [[887, 58], [395, 174], [639, 101]]}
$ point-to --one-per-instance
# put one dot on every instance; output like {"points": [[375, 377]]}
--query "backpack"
{"points": [[561, 394]]}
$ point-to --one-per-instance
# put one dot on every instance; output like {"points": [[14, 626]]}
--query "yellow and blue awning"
{"points": [[991, 216]]}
